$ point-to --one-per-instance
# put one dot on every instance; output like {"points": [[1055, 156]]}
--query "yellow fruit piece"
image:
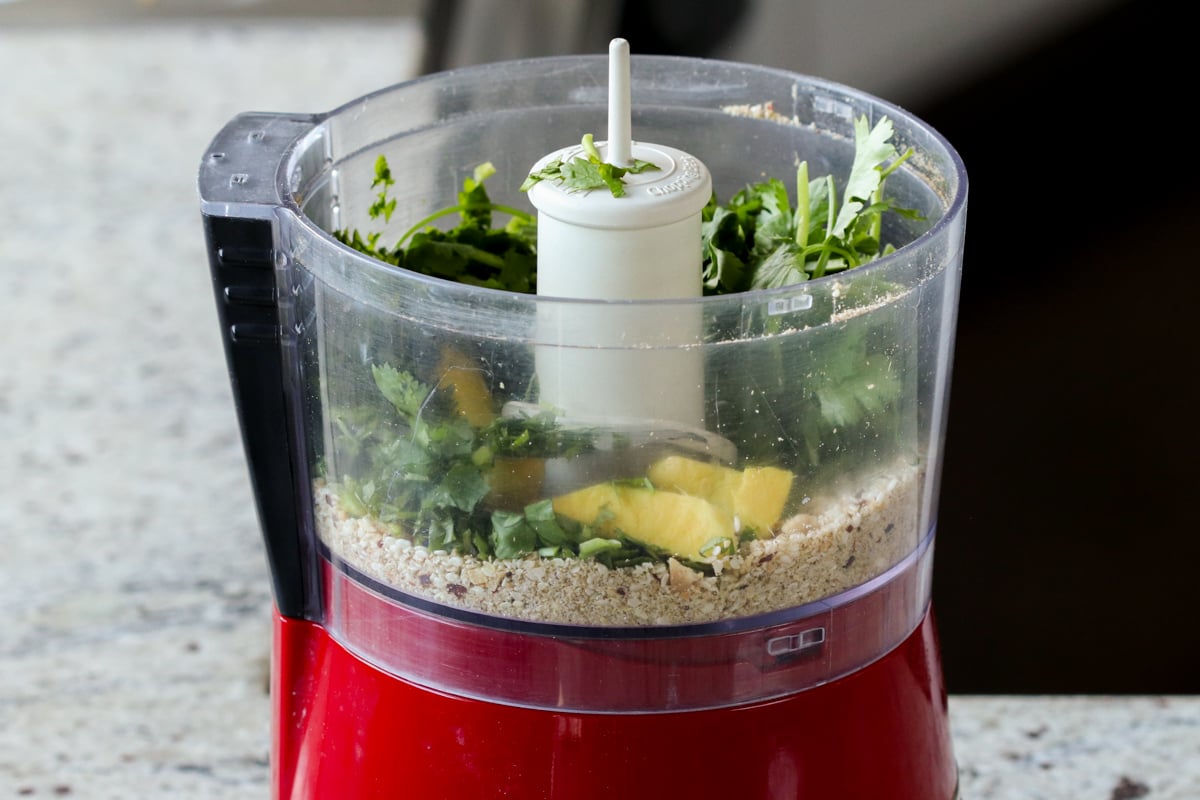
{"points": [[756, 495], [514, 482], [465, 381], [760, 497], [713, 482], [679, 524]]}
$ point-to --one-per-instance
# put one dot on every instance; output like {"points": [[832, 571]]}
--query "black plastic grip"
{"points": [[241, 258]]}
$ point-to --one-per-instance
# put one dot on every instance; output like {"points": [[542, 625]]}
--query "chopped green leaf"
{"points": [[512, 535], [401, 389], [462, 487], [587, 172], [472, 252], [383, 206], [598, 545], [541, 518], [758, 241]]}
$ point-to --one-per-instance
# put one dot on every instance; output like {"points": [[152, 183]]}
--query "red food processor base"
{"points": [[345, 729]]}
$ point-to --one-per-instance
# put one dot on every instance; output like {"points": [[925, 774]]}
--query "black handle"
{"points": [[241, 202]]}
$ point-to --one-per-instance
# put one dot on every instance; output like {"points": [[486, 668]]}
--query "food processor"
{"points": [[618, 536]]}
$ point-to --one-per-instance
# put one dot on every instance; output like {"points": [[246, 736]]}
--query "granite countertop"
{"points": [[134, 660]]}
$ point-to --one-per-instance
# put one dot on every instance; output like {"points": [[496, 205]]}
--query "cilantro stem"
{"points": [[832, 211], [877, 223], [804, 213], [445, 212], [896, 162], [826, 249], [589, 147]]}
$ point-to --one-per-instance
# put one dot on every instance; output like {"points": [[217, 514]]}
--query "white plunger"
{"points": [[622, 360]]}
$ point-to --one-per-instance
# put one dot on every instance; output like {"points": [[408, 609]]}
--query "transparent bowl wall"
{"points": [[839, 381]]}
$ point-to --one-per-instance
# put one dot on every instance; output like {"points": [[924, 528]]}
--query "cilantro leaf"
{"points": [[725, 234], [476, 206], [872, 147], [472, 252], [587, 172], [461, 487], [401, 389], [539, 436], [758, 240], [512, 536], [783, 267], [544, 522], [383, 206]]}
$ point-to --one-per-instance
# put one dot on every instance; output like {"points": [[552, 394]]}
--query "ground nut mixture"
{"points": [[839, 542]]}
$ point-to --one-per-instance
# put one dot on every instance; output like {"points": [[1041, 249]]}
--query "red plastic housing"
{"points": [[345, 729]]}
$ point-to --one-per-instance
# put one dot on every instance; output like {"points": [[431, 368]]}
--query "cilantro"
{"points": [[472, 252], [587, 172], [383, 206], [423, 471], [544, 522], [596, 546], [759, 241], [461, 487], [539, 436], [512, 535], [401, 389]]}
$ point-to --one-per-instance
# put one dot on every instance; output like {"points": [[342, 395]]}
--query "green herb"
{"points": [[587, 172], [512, 535], [383, 206], [423, 471], [472, 252], [759, 241]]}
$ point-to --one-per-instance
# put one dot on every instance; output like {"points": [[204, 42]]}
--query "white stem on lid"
{"points": [[620, 120]]}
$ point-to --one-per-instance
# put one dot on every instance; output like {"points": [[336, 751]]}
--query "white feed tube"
{"points": [[618, 360]]}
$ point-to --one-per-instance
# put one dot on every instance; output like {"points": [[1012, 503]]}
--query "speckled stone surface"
{"points": [[133, 656], [134, 652], [1077, 748]]}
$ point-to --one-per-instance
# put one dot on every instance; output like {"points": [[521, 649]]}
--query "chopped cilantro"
{"points": [[472, 252], [759, 241], [587, 172]]}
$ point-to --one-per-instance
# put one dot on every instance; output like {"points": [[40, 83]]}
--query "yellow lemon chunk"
{"points": [[755, 495], [465, 381], [679, 524]]}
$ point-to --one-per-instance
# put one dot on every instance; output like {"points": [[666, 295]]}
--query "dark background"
{"points": [[1068, 553], [1068, 545]]}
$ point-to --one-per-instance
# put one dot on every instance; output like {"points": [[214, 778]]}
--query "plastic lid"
{"points": [[679, 188]]}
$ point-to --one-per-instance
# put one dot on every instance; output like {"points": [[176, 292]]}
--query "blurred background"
{"points": [[1068, 548]]}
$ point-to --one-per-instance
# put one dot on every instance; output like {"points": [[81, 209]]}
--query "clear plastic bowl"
{"points": [[839, 383]]}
